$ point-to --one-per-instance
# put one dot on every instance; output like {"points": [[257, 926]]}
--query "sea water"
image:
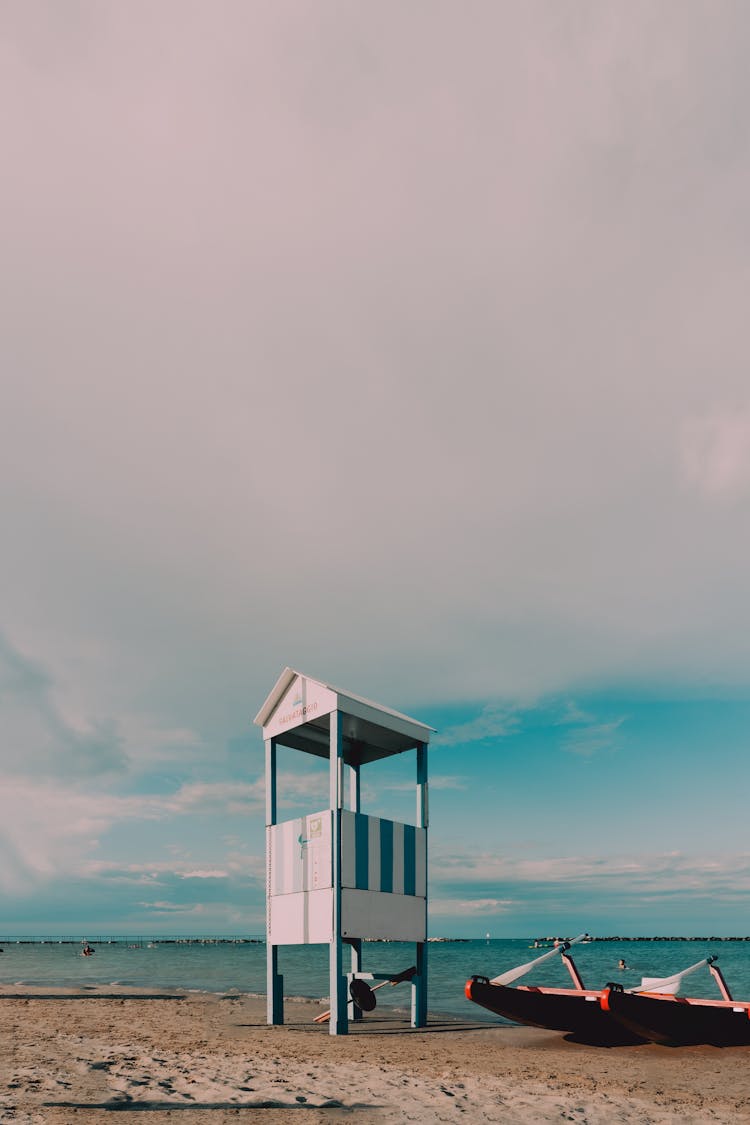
{"points": [[240, 966]]}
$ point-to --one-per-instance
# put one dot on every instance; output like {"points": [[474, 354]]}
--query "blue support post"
{"points": [[274, 987], [356, 944], [419, 986], [339, 1021], [274, 980]]}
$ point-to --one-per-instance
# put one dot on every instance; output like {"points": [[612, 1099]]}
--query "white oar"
{"points": [[669, 984], [522, 970]]}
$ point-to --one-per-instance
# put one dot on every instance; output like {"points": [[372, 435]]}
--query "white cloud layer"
{"points": [[395, 334], [716, 454], [641, 875]]}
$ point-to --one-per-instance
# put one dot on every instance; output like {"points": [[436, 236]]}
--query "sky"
{"points": [[406, 345]]}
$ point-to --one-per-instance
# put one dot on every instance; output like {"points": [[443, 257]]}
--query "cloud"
{"points": [[38, 734], [51, 829], [417, 362], [467, 908], [586, 741], [215, 874], [573, 714], [48, 732], [134, 874], [101, 895], [475, 475], [438, 781], [241, 867], [232, 797], [446, 781], [716, 454], [164, 907], [150, 746], [496, 720], [209, 798], [587, 734], [644, 877], [642, 893]]}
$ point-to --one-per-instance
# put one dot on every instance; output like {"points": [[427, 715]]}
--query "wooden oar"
{"points": [[362, 994]]}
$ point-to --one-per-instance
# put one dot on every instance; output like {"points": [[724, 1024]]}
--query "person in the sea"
{"points": [[621, 963]]}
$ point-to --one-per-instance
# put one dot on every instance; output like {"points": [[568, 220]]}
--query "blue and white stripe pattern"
{"points": [[376, 855], [383, 855]]}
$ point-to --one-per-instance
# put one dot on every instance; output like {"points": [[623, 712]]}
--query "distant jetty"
{"points": [[620, 937], [713, 937], [131, 942]]}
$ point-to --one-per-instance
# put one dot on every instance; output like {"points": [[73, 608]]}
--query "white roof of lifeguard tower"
{"points": [[296, 712]]}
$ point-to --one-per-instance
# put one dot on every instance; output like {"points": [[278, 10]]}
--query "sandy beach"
{"points": [[79, 1056]]}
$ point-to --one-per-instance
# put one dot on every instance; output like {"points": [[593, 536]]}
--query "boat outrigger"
{"points": [[576, 1010], [599, 1016], [673, 1020]]}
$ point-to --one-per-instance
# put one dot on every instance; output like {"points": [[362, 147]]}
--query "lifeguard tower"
{"points": [[338, 876]]}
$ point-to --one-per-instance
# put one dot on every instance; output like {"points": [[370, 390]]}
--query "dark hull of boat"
{"points": [[680, 1023], [576, 1012]]}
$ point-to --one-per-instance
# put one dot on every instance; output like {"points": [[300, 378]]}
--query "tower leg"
{"points": [[274, 987], [356, 944], [419, 988], [339, 1021], [338, 1024], [274, 981]]}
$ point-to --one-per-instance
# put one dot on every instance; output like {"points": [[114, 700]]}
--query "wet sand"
{"points": [[187, 1058]]}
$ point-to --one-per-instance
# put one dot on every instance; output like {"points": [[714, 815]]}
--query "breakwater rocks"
{"points": [[549, 943], [712, 937]]}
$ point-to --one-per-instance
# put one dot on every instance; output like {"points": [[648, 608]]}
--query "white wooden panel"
{"points": [[377, 915], [302, 918], [317, 851], [288, 837], [320, 916], [285, 920], [301, 857]]}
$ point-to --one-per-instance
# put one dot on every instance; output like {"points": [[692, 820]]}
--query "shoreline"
{"points": [[65, 1052], [296, 1004]]}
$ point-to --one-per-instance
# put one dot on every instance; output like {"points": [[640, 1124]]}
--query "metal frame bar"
{"points": [[339, 1021], [419, 983], [274, 979]]}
